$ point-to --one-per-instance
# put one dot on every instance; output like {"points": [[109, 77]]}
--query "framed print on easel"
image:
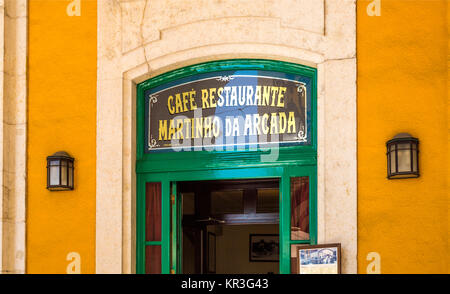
{"points": [[319, 259]]}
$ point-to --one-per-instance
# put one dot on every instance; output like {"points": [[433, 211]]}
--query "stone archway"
{"points": [[140, 39]]}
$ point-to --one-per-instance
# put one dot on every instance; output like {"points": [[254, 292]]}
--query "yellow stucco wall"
{"points": [[402, 72], [61, 116]]}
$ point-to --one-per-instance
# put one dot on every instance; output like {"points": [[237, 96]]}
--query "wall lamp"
{"points": [[60, 172], [402, 157]]}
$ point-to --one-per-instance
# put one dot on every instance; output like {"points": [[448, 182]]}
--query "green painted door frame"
{"points": [[293, 161]]}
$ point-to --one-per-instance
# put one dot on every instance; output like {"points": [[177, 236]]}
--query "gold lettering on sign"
{"points": [[268, 113]]}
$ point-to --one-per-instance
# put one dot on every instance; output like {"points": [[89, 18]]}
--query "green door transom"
{"points": [[168, 168]]}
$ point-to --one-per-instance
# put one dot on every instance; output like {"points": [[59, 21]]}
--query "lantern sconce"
{"points": [[60, 172], [402, 157]]}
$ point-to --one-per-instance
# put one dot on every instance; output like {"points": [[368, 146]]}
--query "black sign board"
{"points": [[229, 110]]}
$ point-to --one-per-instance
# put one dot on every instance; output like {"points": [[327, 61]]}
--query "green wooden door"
{"points": [[293, 176], [170, 241], [153, 224]]}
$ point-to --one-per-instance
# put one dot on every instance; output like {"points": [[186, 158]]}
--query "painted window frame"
{"points": [[293, 161]]}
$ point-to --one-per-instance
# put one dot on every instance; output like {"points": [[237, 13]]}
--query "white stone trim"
{"points": [[2, 51], [13, 97], [130, 51]]}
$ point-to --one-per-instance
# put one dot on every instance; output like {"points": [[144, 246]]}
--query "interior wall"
{"points": [[188, 255], [232, 249]]}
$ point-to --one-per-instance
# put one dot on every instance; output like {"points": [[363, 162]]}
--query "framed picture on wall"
{"points": [[211, 253], [264, 248], [319, 259]]}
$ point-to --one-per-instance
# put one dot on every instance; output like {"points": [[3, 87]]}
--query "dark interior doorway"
{"points": [[230, 227]]}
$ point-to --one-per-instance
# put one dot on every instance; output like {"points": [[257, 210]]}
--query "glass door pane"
{"points": [[153, 212], [300, 208], [153, 259], [175, 229], [152, 225], [153, 209]]}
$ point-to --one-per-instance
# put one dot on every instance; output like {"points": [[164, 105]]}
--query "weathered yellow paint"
{"points": [[61, 116], [402, 74]]}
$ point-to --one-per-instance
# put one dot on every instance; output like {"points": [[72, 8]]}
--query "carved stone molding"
{"points": [[140, 39], [13, 15]]}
